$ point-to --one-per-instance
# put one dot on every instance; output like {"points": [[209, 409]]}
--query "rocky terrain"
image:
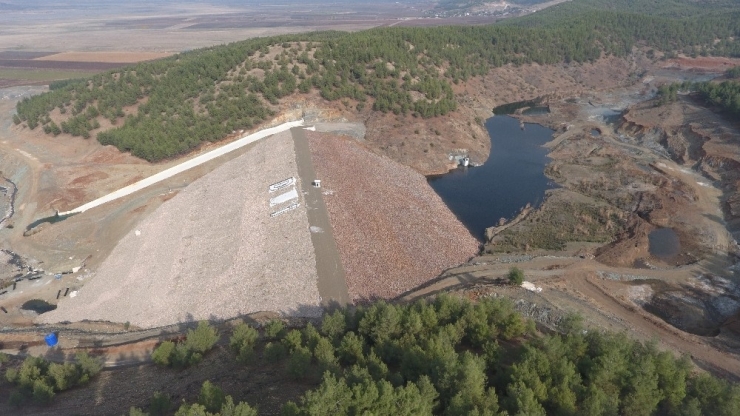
{"points": [[624, 167], [393, 232], [211, 252]]}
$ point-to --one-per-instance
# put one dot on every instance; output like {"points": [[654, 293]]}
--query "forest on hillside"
{"points": [[161, 109], [724, 95], [440, 356]]}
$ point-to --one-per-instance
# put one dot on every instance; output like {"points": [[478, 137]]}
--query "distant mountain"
{"points": [[11, 6]]}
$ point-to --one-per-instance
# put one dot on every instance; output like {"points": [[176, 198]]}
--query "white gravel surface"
{"points": [[393, 231], [210, 252]]}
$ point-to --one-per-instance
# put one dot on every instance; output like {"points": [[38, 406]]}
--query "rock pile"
{"points": [[211, 252], [393, 231]]}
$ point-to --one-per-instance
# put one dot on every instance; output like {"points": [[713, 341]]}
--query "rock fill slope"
{"points": [[213, 251], [393, 231]]}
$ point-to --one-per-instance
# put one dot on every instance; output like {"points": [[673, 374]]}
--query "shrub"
{"points": [[89, 367], [228, 408], [242, 342], [292, 340], [211, 397], [333, 325], [64, 375], [202, 338], [299, 362], [274, 352], [188, 353], [159, 404], [163, 352], [571, 323], [42, 392], [135, 411], [39, 380], [516, 276], [274, 329], [240, 409], [324, 353]]}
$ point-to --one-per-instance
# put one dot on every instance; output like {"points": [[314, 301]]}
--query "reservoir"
{"points": [[512, 177]]}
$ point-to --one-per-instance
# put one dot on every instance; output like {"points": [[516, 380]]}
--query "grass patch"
{"points": [[558, 224]]}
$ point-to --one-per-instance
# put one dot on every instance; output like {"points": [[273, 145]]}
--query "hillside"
{"points": [[161, 109], [442, 356]]}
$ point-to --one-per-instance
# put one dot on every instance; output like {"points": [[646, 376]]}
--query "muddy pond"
{"points": [[663, 243], [512, 177]]}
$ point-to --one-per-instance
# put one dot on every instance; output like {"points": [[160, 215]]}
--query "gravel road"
{"points": [[212, 251]]}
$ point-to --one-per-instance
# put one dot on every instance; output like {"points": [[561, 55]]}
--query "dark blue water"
{"points": [[512, 177]]}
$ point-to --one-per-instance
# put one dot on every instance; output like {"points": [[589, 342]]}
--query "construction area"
{"points": [[250, 235], [338, 211]]}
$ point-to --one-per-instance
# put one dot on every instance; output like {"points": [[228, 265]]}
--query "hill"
{"points": [[161, 109]]}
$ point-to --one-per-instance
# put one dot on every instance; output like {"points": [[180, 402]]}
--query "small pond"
{"points": [[663, 243], [51, 220], [512, 177], [39, 306]]}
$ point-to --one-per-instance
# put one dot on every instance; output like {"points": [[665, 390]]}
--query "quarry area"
{"points": [[204, 244]]}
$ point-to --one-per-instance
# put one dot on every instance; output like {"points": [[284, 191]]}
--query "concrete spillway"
{"points": [[188, 164]]}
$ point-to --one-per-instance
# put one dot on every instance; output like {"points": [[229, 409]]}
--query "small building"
{"points": [[316, 183]]}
